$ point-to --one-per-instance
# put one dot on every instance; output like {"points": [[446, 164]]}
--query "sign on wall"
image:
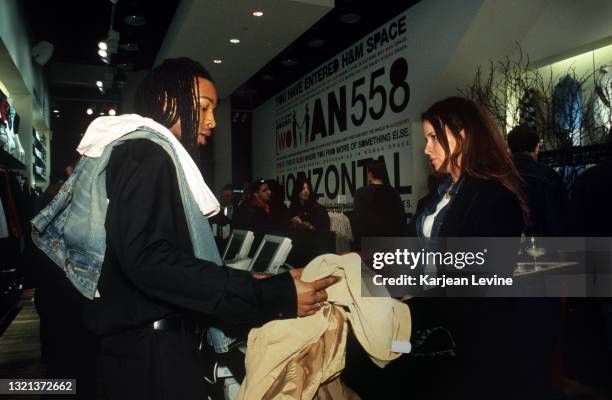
{"points": [[351, 110], [363, 104]]}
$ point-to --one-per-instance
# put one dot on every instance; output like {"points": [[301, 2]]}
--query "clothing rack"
{"points": [[341, 208]]}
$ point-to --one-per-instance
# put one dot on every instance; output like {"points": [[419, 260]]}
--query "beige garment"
{"points": [[291, 359]]}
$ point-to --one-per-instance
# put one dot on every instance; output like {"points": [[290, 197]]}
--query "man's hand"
{"points": [[311, 295], [296, 220]]}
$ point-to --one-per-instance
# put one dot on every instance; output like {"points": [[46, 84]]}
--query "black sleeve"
{"points": [[321, 218], [359, 216], [144, 224], [499, 214]]}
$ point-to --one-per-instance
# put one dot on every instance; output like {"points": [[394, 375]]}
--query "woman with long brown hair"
{"points": [[481, 195]]}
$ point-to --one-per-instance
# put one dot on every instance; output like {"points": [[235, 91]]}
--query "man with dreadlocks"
{"points": [[129, 229]]}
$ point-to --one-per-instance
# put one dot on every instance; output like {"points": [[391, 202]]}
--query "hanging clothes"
{"points": [[340, 224], [599, 115], [4, 231], [567, 107], [8, 199]]}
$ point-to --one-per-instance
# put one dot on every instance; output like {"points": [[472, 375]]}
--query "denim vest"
{"points": [[70, 230]]}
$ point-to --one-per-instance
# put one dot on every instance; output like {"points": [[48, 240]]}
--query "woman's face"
{"points": [[305, 193], [433, 148]]}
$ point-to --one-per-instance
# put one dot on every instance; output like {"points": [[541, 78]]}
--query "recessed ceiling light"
{"points": [[316, 42], [112, 111], [217, 61], [99, 84], [103, 46], [102, 113], [350, 18], [102, 53], [89, 111], [258, 14], [234, 41], [135, 20], [130, 46], [56, 111], [289, 62]]}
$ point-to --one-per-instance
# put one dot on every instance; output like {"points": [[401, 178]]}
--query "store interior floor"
{"points": [[20, 348], [20, 357]]}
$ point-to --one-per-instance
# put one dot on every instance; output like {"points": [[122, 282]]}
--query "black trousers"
{"points": [[146, 364]]}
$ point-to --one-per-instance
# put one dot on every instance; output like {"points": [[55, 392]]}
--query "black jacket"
{"points": [[150, 271], [591, 214], [378, 212], [546, 196], [252, 218], [314, 213], [482, 208]]}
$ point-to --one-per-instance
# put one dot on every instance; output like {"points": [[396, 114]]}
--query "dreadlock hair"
{"points": [[169, 93]]}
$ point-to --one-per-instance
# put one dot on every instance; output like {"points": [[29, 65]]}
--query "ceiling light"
{"points": [[289, 62], [316, 42], [234, 41], [56, 111], [111, 111], [217, 61], [135, 20], [350, 18], [99, 84], [102, 53], [130, 46], [102, 113], [89, 111], [258, 14], [42, 52], [102, 46]]}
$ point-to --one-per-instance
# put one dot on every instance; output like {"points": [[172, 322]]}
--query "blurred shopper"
{"points": [[543, 187], [378, 208], [279, 217], [304, 211], [254, 214]]}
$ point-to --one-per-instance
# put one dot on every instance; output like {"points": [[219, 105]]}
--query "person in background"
{"points": [[304, 210], [228, 206], [544, 189], [378, 208], [254, 214], [279, 218], [591, 219]]}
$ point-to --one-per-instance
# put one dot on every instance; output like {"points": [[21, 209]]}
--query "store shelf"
{"points": [[9, 161]]}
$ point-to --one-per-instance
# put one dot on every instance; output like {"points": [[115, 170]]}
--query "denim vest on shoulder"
{"points": [[70, 230]]}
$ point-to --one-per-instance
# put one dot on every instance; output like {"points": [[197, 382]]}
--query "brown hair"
{"points": [[482, 150]]}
